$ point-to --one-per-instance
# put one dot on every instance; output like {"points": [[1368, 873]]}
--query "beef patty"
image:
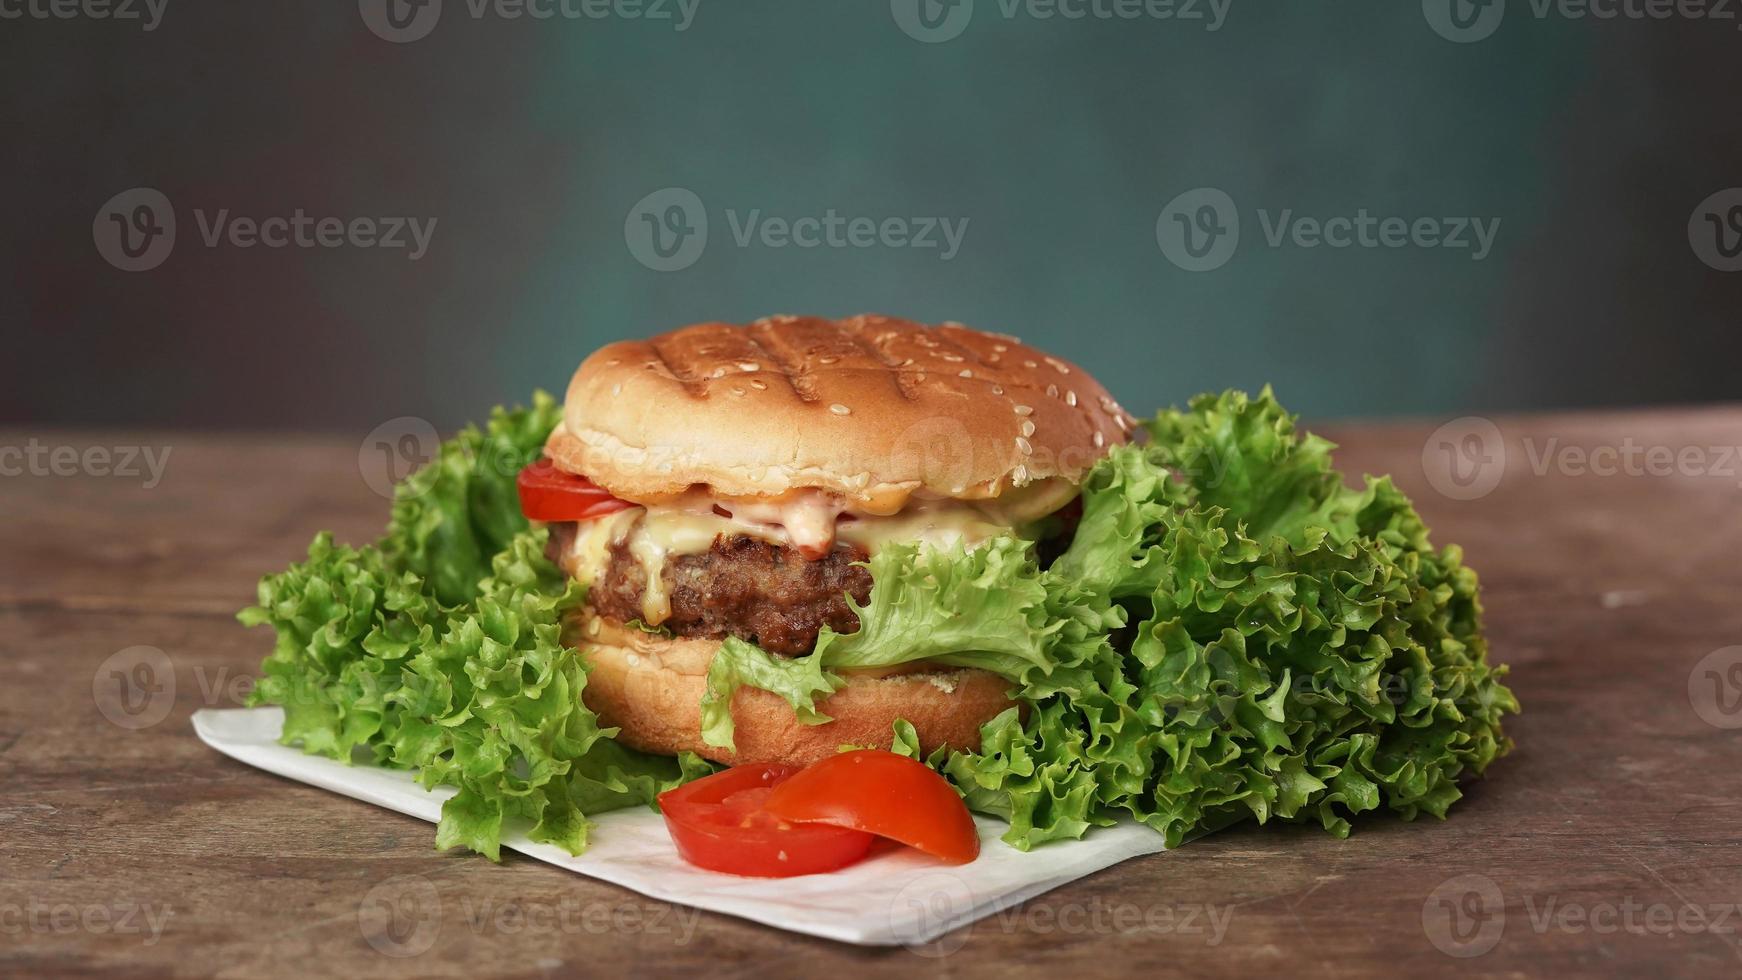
{"points": [[741, 586]]}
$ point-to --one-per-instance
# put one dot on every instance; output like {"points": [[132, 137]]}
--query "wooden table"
{"points": [[1609, 843]]}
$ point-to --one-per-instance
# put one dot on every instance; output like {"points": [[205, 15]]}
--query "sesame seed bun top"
{"points": [[872, 408]]}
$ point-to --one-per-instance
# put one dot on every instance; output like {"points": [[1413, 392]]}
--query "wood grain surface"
{"points": [[1608, 844]]}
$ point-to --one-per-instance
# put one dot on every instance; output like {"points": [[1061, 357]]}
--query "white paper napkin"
{"points": [[897, 898]]}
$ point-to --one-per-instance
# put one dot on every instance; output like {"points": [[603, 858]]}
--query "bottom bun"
{"points": [[650, 687]]}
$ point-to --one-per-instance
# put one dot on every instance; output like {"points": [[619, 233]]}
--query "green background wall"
{"points": [[1059, 141]]}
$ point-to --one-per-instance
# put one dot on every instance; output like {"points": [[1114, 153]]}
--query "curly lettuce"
{"points": [[1232, 634], [439, 650]]}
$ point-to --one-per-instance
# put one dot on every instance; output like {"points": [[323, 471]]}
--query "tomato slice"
{"points": [[884, 794], [549, 494], [718, 823]]}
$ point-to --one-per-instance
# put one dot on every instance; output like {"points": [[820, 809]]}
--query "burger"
{"points": [[745, 478], [759, 544]]}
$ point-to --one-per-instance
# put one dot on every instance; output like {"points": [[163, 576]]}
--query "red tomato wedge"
{"points": [[549, 494], [884, 794], [718, 823]]}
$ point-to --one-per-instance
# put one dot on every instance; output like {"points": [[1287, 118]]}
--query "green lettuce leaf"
{"points": [[1232, 634], [981, 607], [439, 650]]}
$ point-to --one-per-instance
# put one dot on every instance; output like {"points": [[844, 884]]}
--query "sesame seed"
{"points": [[1000, 348], [759, 385], [1019, 475], [1024, 409], [1058, 365], [839, 409], [997, 389], [827, 359], [613, 362], [1071, 398], [965, 373], [952, 323], [952, 358], [737, 389], [719, 373], [1108, 405], [1123, 425], [1030, 364], [616, 389], [1023, 446], [634, 660], [1100, 440], [749, 366], [1027, 427], [1052, 391]]}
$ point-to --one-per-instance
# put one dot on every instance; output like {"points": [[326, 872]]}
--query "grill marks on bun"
{"points": [[866, 407]]}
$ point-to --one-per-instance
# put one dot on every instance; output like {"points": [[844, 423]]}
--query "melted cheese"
{"points": [[810, 522]]}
